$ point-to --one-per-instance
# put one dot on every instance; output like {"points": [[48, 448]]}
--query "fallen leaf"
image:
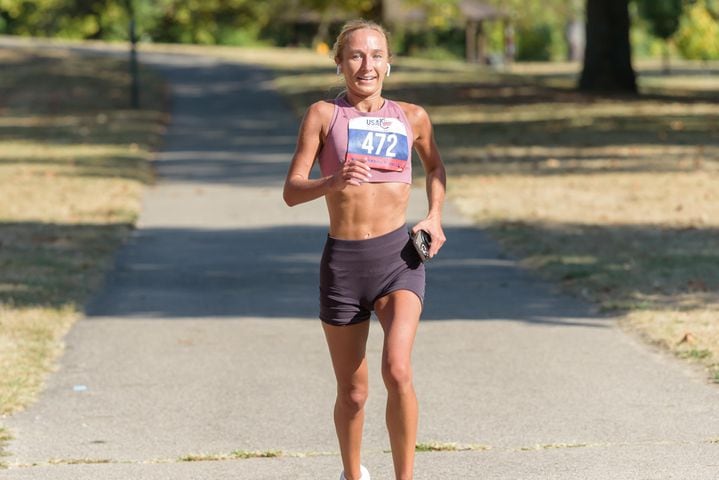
{"points": [[687, 338]]}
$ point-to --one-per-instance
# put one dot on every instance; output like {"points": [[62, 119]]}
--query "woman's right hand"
{"points": [[353, 172]]}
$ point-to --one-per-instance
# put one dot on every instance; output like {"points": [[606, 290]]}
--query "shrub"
{"points": [[698, 35], [534, 42]]}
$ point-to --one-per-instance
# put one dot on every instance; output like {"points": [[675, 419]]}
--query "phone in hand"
{"points": [[422, 240]]}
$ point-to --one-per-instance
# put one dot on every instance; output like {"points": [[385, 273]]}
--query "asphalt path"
{"points": [[205, 339]]}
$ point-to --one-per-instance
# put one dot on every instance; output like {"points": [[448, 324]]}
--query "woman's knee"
{"points": [[397, 375], [352, 398]]}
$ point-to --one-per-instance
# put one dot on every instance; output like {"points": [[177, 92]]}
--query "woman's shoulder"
{"points": [[323, 108], [414, 113], [319, 115]]}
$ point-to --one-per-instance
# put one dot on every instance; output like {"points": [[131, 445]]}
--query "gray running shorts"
{"points": [[355, 273]]}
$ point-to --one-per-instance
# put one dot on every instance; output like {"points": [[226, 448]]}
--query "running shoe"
{"points": [[363, 471]]}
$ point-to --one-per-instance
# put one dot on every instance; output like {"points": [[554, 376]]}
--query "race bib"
{"points": [[381, 142]]}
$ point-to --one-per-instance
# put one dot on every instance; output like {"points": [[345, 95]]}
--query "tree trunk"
{"points": [[607, 55]]}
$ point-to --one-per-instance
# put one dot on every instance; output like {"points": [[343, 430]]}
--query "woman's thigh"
{"points": [[347, 346], [398, 313]]}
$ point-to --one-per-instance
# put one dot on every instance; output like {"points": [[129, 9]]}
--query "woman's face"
{"points": [[364, 61]]}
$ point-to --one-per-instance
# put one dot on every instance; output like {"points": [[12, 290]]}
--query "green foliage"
{"points": [[644, 44], [711, 5], [363, 8], [242, 22], [534, 42], [698, 35], [436, 44], [441, 14], [204, 21], [237, 22], [241, 37], [200, 21], [539, 26], [105, 19], [551, 12], [663, 16]]}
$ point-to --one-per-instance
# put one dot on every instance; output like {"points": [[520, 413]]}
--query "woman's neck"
{"points": [[365, 104]]}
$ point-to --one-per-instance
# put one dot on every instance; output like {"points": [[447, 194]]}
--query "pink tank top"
{"points": [[383, 139]]}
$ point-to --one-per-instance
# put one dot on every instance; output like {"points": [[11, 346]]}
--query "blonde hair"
{"points": [[350, 27]]}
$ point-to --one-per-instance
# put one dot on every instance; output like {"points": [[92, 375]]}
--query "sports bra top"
{"points": [[383, 139]]}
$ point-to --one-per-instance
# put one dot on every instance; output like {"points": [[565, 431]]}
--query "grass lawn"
{"points": [[73, 159], [613, 198]]}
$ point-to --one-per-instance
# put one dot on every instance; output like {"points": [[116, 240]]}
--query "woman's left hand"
{"points": [[433, 226]]}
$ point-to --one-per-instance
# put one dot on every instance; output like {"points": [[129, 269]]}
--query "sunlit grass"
{"points": [[73, 159], [5, 437], [235, 455], [449, 447]]}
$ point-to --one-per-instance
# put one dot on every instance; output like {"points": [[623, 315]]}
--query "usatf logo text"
{"points": [[379, 122]]}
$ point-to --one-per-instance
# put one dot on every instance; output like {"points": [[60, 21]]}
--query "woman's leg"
{"points": [[399, 314], [347, 346]]}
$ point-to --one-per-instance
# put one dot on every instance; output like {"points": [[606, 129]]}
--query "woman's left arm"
{"points": [[436, 178]]}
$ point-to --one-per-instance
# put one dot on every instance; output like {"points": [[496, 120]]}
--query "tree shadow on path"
{"points": [[273, 273]]}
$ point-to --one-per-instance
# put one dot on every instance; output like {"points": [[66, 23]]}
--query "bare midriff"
{"points": [[367, 211]]}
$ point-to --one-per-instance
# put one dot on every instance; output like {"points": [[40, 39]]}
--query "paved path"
{"points": [[205, 339]]}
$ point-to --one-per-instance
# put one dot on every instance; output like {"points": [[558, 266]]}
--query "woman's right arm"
{"points": [[299, 188]]}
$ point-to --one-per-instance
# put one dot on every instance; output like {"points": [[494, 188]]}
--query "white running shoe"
{"points": [[363, 472]]}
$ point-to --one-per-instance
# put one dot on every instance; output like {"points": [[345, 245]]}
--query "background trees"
{"points": [[698, 34], [663, 18], [542, 29]]}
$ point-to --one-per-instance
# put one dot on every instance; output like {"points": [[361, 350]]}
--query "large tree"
{"points": [[607, 56]]}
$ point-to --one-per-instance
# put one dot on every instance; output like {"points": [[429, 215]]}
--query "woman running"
{"points": [[363, 143]]}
